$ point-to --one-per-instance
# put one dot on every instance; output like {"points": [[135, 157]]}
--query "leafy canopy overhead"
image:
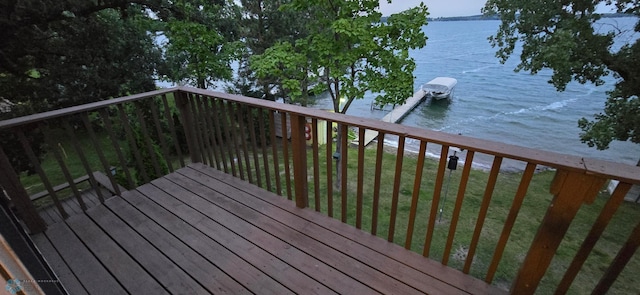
{"points": [[564, 36]]}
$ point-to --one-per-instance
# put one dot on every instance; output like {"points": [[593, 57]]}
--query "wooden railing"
{"points": [[265, 143]]}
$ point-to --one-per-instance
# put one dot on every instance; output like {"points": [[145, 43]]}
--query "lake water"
{"points": [[493, 102]]}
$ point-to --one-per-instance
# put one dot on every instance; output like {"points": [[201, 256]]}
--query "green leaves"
{"points": [[201, 46], [562, 36], [357, 53]]}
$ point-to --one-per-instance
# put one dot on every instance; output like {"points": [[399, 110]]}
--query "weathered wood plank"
{"points": [[174, 279], [246, 274], [94, 277], [410, 259], [199, 230], [275, 258], [56, 262], [126, 270], [331, 249], [183, 253]]}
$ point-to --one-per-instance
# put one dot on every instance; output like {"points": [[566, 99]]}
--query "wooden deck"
{"points": [[199, 231]]}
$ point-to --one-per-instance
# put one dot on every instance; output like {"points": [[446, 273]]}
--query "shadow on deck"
{"points": [[201, 231]]}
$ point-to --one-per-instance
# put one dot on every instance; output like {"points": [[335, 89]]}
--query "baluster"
{"points": [[360, 183], [132, 143], [482, 214], [222, 130], [243, 140], [274, 150], [116, 146], [396, 188], [184, 105], [163, 142], [329, 154], [344, 152], [172, 129], [101, 157], [263, 145], [285, 153], [376, 184], [594, 235], [417, 181], [299, 154], [316, 163], [455, 215], [254, 147], [63, 167], [83, 159], [442, 165]]}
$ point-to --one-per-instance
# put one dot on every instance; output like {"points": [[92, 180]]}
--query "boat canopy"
{"points": [[440, 85]]}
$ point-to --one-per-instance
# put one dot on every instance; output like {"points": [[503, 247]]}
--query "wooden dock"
{"points": [[396, 115]]}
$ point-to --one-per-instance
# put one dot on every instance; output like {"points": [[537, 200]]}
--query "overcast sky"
{"points": [[437, 8]]}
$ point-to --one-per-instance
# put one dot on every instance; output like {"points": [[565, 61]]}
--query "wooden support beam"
{"points": [[299, 146], [571, 190]]}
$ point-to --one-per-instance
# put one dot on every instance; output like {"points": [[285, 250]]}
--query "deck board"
{"points": [[200, 231], [183, 253], [172, 278], [413, 260], [95, 278]]}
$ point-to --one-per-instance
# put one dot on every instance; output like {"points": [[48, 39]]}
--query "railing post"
{"points": [[570, 190], [184, 105], [10, 182], [299, 146]]}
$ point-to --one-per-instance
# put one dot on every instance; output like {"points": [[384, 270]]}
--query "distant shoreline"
{"points": [[496, 17]]}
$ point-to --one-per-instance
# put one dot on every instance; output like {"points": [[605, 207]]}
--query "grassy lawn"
{"points": [[533, 209]]}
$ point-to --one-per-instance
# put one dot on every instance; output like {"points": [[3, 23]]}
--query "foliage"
{"points": [[62, 53], [265, 25], [355, 52], [75, 57], [202, 44], [292, 67], [562, 36]]}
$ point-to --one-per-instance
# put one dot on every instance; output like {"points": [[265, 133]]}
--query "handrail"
{"points": [[556, 160], [4, 124]]}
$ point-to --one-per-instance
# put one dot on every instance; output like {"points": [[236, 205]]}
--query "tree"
{"points": [[56, 54], [61, 53], [265, 25], [288, 68], [202, 43], [355, 52], [562, 36]]}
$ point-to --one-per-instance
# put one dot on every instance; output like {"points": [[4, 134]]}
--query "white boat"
{"points": [[440, 87]]}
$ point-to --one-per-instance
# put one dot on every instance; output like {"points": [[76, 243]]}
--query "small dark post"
{"points": [[299, 146], [11, 184]]}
